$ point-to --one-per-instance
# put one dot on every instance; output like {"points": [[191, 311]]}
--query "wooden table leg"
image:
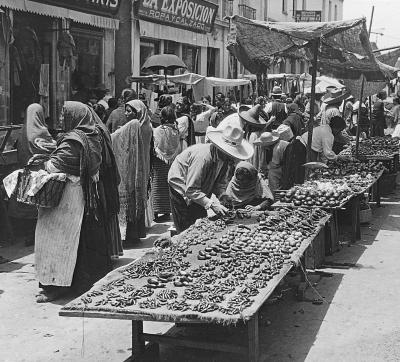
{"points": [[378, 193], [355, 219], [253, 341], [353, 206], [138, 342]]}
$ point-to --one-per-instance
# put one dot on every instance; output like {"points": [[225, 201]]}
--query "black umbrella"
{"points": [[163, 62]]}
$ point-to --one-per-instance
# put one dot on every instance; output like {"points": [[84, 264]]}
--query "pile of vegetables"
{"points": [[382, 143], [325, 194], [340, 168]]}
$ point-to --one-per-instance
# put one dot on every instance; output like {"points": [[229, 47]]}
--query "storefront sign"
{"points": [[194, 15], [98, 7], [308, 15]]}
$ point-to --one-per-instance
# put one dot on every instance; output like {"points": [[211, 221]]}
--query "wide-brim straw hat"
{"points": [[266, 139], [336, 97], [252, 115], [230, 140]]}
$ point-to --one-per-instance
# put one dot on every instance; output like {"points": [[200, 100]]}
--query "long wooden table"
{"points": [[250, 349]]}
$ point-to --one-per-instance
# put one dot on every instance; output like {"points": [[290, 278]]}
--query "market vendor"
{"points": [[202, 170], [248, 189], [323, 136]]}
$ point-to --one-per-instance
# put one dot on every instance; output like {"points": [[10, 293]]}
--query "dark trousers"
{"points": [[182, 214]]}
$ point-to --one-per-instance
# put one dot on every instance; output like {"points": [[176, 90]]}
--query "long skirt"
{"points": [[161, 204], [184, 215], [71, 249]]}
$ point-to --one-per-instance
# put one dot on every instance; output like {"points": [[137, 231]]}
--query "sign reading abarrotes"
{"points": [[98, 7], [194, 15]]}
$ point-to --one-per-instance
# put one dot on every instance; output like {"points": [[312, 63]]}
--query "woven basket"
{"points": [[48, 196], [365, 216]]}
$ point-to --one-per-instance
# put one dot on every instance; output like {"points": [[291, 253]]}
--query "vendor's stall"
{"points": [[215, 272]]}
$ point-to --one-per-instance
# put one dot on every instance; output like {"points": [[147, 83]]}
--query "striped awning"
{"points": [[59, 12]]}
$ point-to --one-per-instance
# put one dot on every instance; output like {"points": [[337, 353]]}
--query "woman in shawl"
{"points": [[73, 239], [34, 139], [132, 146], [117, 117], [166, 147], [185, 123], [248, 189]]}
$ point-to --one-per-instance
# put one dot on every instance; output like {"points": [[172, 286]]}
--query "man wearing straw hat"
{"points": [[203, 170]]}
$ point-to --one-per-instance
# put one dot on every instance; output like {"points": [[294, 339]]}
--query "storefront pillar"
{"points": [[203, 61]]}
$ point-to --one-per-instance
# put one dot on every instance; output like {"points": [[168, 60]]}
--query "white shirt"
{"points": [[322, 141]]}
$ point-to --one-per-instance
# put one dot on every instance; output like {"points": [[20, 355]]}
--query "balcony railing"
{"points": [[247, 12]]}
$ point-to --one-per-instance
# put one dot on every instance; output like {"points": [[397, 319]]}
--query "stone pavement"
{"points": [[359, 321]]}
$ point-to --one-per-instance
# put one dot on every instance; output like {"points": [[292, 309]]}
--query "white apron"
{"points": [[57, 238]]}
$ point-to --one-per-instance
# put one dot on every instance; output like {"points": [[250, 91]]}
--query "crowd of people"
{"points": [[128, 166]]}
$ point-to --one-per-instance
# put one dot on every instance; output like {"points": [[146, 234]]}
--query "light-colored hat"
{"points": [[284, 132], [103, 103], [252, 115], [276, 91], [266, 139], [336, 97], [230, 140]]}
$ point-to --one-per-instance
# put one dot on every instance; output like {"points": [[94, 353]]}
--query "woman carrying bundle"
{"points": [[73, 240]]}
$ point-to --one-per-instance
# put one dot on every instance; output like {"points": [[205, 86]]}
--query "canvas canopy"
{"points": [[344, 52], [201, 85], [189, 79]]}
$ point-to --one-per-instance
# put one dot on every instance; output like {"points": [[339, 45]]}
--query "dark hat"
{"points": [[252, 115]]}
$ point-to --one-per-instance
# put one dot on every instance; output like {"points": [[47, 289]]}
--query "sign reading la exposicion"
{"points": [[194, 15]]}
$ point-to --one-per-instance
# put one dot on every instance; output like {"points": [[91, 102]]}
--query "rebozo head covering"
{"points": [[246, 185]]}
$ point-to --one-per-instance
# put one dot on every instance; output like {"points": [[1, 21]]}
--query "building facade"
{"points": [[52, 51]]}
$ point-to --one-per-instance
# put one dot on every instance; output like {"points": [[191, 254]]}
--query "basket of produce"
{"points": [[39, 188]]}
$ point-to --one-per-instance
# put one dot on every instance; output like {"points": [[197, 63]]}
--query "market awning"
{"points": [[190, 79], [60, 12], [344, 52]]}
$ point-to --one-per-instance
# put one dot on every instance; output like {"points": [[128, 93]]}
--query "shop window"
{"points": [[171, 47], [211, 62], [88, 68], [147, 49], [190, 56], [30, 62]]}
